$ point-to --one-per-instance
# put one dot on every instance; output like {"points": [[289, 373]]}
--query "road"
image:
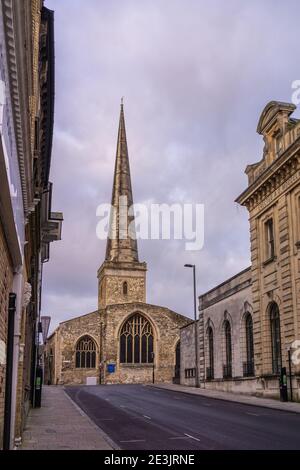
{"points": [[138, 417]]}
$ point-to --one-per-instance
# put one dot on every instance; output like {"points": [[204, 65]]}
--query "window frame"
{"points": [[211, 355], [136, 341], [269, 239], [85, 355], [125, 288], [275, 330]]}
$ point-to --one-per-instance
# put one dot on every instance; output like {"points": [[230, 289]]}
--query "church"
{"points": [[125, 340]]}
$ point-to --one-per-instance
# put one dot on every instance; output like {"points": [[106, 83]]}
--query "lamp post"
{"points": [[290, 372], [153, 367], [195, 323]]}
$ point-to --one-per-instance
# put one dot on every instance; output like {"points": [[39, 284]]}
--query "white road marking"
{"points": [[135, 440], [145, 416], [106, 419], [251, 414], [178, 437], [192, 437]]}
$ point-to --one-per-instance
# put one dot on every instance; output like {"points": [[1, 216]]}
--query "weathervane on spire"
{"points": [[122, 100]]}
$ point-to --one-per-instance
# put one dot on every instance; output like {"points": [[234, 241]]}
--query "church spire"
{"points": [[121, 243]]}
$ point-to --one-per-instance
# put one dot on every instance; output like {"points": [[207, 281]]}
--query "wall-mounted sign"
{"points": [[111, 368], [2, 353]]}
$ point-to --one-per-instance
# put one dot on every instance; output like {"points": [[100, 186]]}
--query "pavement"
{"points": [[139, 417], [235, 397], [61, 425]]}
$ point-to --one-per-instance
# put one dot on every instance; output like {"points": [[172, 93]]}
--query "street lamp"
{"points": [[153, 367], [195, 323], [290, 371]]}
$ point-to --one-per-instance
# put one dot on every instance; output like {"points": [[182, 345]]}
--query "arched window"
{"points": [[227, 369], [249, 364], [86, 353], [125, 288], [136, 341], [210, 368], [275, 338]]}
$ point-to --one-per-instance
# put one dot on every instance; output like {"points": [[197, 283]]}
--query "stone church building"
{"points": [[249, 326], [125, 340]]}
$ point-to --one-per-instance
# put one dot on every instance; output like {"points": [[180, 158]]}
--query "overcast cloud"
{"points": [[195, 76]]}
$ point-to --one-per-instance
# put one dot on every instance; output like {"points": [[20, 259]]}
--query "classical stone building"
{"points": [[27, 224], [249, 325], [125, 340]]}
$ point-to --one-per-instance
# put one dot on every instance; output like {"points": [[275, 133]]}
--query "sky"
{"points": [[195, 76]]}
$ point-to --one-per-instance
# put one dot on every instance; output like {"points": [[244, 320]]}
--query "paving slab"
{"points": [[233, 397], [61, 424]]}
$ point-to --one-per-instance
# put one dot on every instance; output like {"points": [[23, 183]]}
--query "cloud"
{"points": [[195, 81]]}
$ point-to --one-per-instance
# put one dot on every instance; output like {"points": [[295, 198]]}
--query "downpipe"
{"points": [[18, 290], [8, 374]]}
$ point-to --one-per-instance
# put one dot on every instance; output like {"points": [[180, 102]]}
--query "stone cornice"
{"points": [[279, 172], [15, 38], [124, 266]]}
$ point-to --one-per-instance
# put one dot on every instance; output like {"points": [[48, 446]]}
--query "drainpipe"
{"points": [[18, 290], [8, 375], [38, 319]]}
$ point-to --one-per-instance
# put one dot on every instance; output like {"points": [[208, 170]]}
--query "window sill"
{"points": [[269, 260], [136, 365], [270, 375]]}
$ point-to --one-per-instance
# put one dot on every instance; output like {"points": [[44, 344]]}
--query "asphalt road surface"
{"points": [[138, 417]]}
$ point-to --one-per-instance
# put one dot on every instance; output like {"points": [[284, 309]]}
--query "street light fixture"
{"points": [[153, 367], [195, 323], [290, 371]]}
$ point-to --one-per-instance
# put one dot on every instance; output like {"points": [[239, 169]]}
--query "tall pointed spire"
{"points": [[121, 243]]}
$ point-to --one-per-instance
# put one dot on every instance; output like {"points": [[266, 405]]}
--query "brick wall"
{"points": [[6, 277]]}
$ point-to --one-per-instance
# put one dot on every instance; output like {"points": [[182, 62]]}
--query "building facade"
{"points": [[27, 224], [249, 326], [125, 340]]}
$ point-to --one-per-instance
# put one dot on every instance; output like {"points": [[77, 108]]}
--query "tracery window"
{"points": [[85, 353], [136, 341]]}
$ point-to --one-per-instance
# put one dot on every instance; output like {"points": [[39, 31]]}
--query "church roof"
{"points": [[121, 243]]}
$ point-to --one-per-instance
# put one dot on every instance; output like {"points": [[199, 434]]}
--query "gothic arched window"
{"points": [[86, 353], [249, 365], [210, 369], [275, 338], [227, 372], [136, 341]]}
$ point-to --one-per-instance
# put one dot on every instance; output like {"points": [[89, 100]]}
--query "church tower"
{"points": [[121, 278]]}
